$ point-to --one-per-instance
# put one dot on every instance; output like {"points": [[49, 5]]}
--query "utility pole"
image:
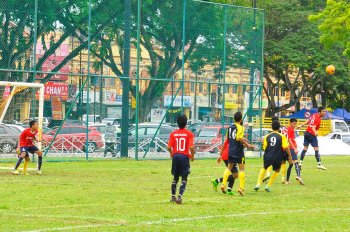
{"points": [[126, 81]]}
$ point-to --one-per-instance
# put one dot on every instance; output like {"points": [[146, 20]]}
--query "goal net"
{"points": [[20, 102]]}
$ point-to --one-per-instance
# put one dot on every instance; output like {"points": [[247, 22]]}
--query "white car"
{"points": [[17, 128], [113, 121], [337, 143]]}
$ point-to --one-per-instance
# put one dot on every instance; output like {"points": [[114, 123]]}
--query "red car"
{"points": [[73, 138], [209, 139]]}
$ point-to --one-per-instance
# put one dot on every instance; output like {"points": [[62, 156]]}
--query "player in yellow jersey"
{"points": [[274, 145]]}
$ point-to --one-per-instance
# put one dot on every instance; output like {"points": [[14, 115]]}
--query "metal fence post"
{"points": [[137, 79], [88, 88]]}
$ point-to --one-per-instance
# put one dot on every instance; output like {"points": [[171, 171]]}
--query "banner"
{"points": [[157, 115], [56, 89], [202, 101], [187, 101], [53, 60], [56, 105]]}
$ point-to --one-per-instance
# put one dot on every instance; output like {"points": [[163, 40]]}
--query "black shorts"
{"points": [[310, 139], [180, 166], [294, 155], [285, 156], [275, 162], [234, 169], [236, 158], [27, 150]]}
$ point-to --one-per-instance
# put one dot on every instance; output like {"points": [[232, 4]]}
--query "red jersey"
{"points": [[27, 138], [291, 136], [225, 151], [180, 141], [314, 121]]}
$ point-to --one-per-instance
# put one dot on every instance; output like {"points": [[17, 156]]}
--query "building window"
{"points": [[200, 87], [275, 91], [283, 92], [193, 86]]}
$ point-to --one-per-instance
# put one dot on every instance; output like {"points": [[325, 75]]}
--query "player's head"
{"points": [[293, 122], [274, 118], [276, 125], [182, 121], [238, 117], [33, 124], [322, 111]]}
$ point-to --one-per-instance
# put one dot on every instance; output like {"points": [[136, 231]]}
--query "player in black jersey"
{"points": [[274, 145], [235, 135]]}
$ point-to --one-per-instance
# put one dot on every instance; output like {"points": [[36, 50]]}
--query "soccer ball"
{"points": [[330, 69]]}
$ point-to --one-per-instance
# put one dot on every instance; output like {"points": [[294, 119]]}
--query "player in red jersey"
{"points": [[310, 136], [26, 146], [181, 150], [290, 134], [231, 179]]}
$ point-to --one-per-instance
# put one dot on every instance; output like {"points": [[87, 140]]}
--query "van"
{"points": [[339, 126]]}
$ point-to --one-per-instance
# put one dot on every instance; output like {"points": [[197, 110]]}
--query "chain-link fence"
{"points": [[118, 73]]}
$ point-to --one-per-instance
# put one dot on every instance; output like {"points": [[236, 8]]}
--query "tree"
{"points": [[161, 39], [56, 21], [294, 58], [334, 23]]}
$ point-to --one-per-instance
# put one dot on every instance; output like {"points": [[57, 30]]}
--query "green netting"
{"points": [[118, 73]]}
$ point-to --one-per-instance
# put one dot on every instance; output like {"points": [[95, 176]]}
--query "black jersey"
{"points": [[274, 145], [234, 134]]}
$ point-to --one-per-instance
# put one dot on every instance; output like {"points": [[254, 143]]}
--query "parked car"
{"points": [[92, 119], [8, 139], [197, 126], [74, 138], [209, 138], [113, 121], [17, 128], [146, 131], [46, 121], [342, 136]]}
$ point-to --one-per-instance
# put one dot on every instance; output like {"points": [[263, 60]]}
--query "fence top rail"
{"points": [[228, 5]]}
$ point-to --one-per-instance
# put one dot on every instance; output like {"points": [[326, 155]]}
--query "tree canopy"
{"points": [[334, 23]]}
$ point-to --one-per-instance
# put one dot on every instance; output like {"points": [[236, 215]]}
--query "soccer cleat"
{"points": [[287, 182], [230, 193], [15, 172], [256, 188], [300, 164], [38, 172], [173, 199], [215, 184], [266, 178], [301, 182], [241, 192], [223, 188], [26, 173], [283, 180], [178, 201], [267, 189], [320, 166]]}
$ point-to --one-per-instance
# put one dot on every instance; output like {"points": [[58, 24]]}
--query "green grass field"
{"points": [[128, 195]]}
